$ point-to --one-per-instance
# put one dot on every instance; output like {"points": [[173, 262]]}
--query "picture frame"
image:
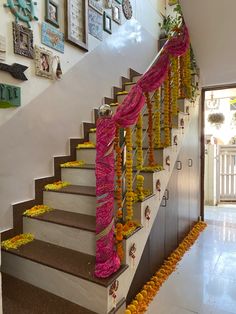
{"points": [[107, 23], [52, 12], [52, 37], [95, 24], [118, 1], [2, 48], [116, 13], [23, 40], [76, 24], [97, 5], [43, 62]]}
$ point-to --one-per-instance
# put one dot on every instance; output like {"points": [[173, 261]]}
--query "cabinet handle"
{"points": [[190, 162], [179, 165], [164, 202], [167, 194]]}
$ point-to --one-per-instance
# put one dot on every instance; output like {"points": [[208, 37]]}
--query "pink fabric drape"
{"points": [[107, 261]]}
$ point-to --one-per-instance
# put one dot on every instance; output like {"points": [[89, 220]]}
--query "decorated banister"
{"points": [[128, 113]]}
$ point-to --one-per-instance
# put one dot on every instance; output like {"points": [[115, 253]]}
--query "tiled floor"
{"points": [[205, 281]]}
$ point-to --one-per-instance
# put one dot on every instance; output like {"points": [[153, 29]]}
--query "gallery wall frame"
{"points": [[107, 23], [116, 13], [52, 12], [76, 24], [52, 37], [2, 48], [97, 5], [23, 40], [95, 24], [43, 62]]}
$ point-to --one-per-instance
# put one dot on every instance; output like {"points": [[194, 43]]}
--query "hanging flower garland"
{"points": [[187, 73], [86, 145], [119, 239], [175, 85], [118, 167], [56, 185], [139, 137], [151, 288], [151, 161], [157, 118], [129, 175], [170, 97], [37, 210], [73, 164], [139, 187], [181, 77], [17, 241], [167, 141], [152, 168]]}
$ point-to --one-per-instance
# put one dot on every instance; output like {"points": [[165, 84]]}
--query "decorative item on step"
{"points": [[129, 228], [43, 62], [157, 119], [151, 288], [37, 210], [17, 241], [23, 41], [129, 175], [86, 145], [158, 188], [217, 119], [175, 140], [127, 9], [116, 13], [182, 124], [147, 214], [52, 12], [52, 37], [167, 141], [139, 139], [56, 185], [168, 162], [107, 260], [95, 23], [96, 5], [132, 252], [77, 22], [107, 23], [24, 10], [16, 70], [10, 96], [151, 161], [73, 164], [2, 48], [113, 289]]}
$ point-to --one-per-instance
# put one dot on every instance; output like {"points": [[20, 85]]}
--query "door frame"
{"points": [[202, 139]]}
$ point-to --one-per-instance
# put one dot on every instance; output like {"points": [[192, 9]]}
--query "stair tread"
{"points": [[70, 219], [77, 189], [20, 297], [86, 166], [66, 260]]}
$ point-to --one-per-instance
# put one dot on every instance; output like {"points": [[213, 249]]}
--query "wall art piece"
{"points": [[118, 1], [77, 23], [95, 24], [23, 40], [23, 10], [10, 96], [172, 2], [2, 48], [58, 70], [52, 13], [108, 4], [96, 5], [43, 62], [52, 37], [107, 23], [16, 70], [127, 9], [116, 13]]}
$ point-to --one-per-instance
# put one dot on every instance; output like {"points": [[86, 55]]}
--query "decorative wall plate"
{"points": [[24, 10], [127, 9]]}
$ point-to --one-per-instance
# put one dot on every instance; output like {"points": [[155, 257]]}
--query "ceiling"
{"points": [[212, 26]]}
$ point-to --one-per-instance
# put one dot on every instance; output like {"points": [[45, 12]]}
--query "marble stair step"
{"points": [[84, 175], [86, 154]]}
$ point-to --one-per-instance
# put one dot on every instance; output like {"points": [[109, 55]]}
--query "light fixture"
{"points": [[212, 103]]}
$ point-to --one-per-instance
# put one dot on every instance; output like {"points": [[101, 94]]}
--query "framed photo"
{"points": [[95, 24], [96, 5], [116, 13], [43, 62], [77, 23], [52, 37], [52, 12], [107, 23], [118, 1], [2, 48], [23, 41]]}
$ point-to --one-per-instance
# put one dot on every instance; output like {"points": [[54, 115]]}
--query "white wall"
{"points": [[31, 135]]}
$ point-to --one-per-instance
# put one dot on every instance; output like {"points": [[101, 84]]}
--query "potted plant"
{"points": [[216, 119]]}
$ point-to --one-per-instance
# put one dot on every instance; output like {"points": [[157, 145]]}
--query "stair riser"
{"points": [[72, 238], [79, 176], [88, 155], [129, 87], [71, 202], [136, 78], [120, 98], [85, 293], [92, 137], [150, 180], [183, 104], [159, 156]]}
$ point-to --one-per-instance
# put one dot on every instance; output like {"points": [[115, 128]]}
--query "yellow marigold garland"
{"points": [[181, 77], [17, 241], [151, 160], [139, 187], [93, 130], [150, 289], [86, 145], [175, 85], [37, 210], [139, 137], [152, 168], [187, 74], [73, 164], [118, 168], [157, 118], [129, 227], [56, 185], [167, 141], [129, 175], [119, 239], [122, 93]]}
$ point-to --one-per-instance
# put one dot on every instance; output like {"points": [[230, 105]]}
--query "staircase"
{"points": [[61, 259]]}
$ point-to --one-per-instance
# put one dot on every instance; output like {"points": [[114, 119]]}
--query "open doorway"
{"points": [[219, 154]]}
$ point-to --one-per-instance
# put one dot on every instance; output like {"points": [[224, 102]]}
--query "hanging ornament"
{"points": [[132, 252], [182, 125], [158, 187], [147, 214], [127, 9], [113, 289], [168, 162]]}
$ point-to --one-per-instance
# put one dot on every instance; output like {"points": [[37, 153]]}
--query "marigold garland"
{"points": [[86, 145], [37, 210], [151, 160], [122, 93], [167, 140], [129, 175], [73, 164], [118, 168], [139, 187], [140, 304], [56, 185], [93, 130], [175, 85], [119, 239], [152, 168], [187, 74], [157, 118], [139, 138], [129, 228], [17, 241], [181, 77]]}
